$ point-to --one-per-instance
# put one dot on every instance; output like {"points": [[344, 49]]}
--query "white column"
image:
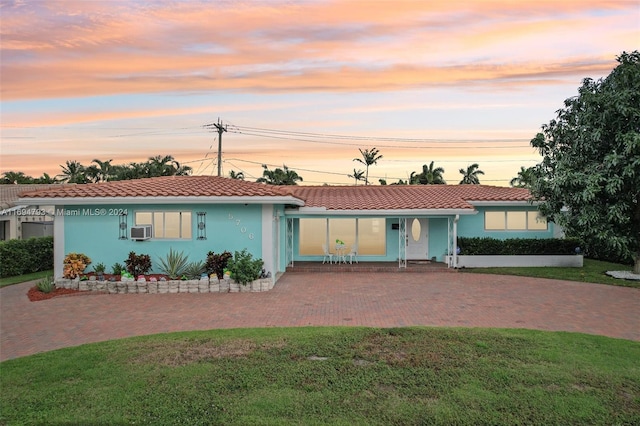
{"points": [[58, 242]]}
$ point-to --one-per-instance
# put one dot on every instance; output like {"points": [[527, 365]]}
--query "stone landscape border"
{"points": [[499, 261], [204, 285]]}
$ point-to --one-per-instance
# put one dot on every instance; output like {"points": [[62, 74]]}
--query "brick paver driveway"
{"points": [[303, 299]]}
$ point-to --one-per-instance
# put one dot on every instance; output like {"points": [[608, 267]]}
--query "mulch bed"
{"points": [[36, 295]]}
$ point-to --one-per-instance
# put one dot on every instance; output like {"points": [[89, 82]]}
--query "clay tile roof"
{"points": [[391, 197], [9, 194], [166, 186], [399, 197]]}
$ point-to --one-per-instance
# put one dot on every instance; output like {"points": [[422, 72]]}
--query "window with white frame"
{"points": [[515, 220], [369, 234], [166, 224]]}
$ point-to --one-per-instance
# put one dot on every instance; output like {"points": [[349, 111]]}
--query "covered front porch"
{"points": [[383, 243]]}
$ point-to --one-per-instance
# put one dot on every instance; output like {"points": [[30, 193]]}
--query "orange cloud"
{"points": [[99, 48]]}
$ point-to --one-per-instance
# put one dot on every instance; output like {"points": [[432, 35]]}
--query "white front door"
{"points": [[418, 239]]}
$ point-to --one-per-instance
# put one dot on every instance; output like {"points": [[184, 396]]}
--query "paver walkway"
{"points": [[304, 299]]}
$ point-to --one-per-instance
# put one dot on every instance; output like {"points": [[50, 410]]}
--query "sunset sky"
{"points": [[302, 83]]}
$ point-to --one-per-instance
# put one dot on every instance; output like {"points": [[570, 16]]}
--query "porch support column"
{"points": [[455, 241], [402, 242], [58, 243], [289, 242]]}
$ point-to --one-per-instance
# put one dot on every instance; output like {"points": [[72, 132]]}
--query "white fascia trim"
{"points": [[502, 203], [304, 211], [162, 200]]}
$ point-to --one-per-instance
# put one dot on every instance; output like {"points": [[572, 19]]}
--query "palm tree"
{"points": [[430, 175], [524, 179], [470, 176], [368, 158], [238, 175], [179, 170], [279, 176], [73, 172], [102, 170], [357, 175], [45, 178], [161, 166], [14, 178]]}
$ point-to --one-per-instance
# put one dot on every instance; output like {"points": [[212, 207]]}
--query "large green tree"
{"points": [[589, 178]]}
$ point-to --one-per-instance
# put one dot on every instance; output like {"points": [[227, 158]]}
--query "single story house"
{"points": [[22, 221], [281, 224]]}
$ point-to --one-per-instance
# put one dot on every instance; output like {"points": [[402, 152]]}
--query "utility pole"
{"points": [[220, 129]]}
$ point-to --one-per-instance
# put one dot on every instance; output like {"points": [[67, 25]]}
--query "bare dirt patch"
{"points": [[178, 353]]}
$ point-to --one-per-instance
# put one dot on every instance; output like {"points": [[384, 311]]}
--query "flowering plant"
{"points": [[75, 264]]}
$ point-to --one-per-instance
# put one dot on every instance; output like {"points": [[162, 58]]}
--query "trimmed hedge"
{"points": [[517, 246], [18, 257]]}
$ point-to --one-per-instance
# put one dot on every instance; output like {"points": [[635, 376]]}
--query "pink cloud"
{"points": [[71, 49]]}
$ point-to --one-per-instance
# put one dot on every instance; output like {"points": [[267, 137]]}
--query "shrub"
{"points": [[138, 264], [75, 264], [517, 246], [19, 257], [173, 265], [194, 270], [117, 268], [217, 263], [99, 268], [46, 285], [244, 268]]}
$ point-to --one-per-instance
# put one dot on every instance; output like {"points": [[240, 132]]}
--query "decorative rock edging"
{"points": [[163, 287]]}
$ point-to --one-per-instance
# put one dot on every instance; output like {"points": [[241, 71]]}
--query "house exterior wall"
{"points": [[232, 227], [438, 238], [473, 225]]}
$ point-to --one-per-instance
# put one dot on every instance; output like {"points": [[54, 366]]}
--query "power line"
{"points": [[328, 142], [368, 138]]}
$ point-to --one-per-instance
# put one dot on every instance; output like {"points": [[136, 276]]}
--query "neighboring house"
{"points": [[24, 220], [280, 224]]}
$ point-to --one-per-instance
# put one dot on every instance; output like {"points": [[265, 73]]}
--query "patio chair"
{"points": [[353, 253], [327, 254]]}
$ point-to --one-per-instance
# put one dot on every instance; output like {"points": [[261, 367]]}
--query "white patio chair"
{"points": [[327, 254], [353, 254]]}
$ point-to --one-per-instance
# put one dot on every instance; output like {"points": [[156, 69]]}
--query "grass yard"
{"points": [[336, 376], [23, 278], [593, 271]]}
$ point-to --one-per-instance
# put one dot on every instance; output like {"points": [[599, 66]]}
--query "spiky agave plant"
{"points": [[173, 264]]}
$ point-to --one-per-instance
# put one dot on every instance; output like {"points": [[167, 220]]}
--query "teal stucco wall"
{"points": [[228, 227], [473, 225]]}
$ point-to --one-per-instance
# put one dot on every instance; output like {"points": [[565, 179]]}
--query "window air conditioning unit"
{"points": [[140, 233]]}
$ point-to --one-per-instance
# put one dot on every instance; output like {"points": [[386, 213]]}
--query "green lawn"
{"points": [[333, 376], [593, 271], [23, 278]]}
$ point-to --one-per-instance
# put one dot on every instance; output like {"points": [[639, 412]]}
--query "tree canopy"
{"points": [[369, 157], [524, 179], [430, 175], [470, 175], [589, 178], [279, 176]]}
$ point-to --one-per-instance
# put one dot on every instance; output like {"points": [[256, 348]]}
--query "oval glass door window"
{"points": [[416, 230]]}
